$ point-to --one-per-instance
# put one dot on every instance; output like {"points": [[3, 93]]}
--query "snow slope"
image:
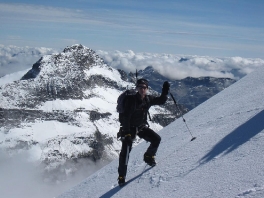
{"points": [[226, 159]]}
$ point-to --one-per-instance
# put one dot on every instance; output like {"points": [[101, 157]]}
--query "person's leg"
{"points": [[123, 158], [150, 136], [123, 161], [154, 139]]}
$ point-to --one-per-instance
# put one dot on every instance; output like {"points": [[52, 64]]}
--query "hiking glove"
{"points": [[128, 139], [166, 87]]}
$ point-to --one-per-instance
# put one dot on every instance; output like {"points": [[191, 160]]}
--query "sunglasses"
{"points": [[142, 87]]}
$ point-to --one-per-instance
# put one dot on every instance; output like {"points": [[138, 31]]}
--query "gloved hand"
{"points": [[128, 139], [166, 88]]}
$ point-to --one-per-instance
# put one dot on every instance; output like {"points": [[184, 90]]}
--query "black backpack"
{"points": [[121, 99]]}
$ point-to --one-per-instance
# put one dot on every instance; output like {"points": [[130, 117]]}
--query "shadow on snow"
{"points": [[118, 188], [236, 138]]}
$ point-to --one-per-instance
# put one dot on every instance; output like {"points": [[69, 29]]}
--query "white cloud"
{"points": [[182, 66], [30, 179], [13, 76], [13, 58]]}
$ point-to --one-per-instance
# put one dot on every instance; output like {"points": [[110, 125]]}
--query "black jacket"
{"points": [[136, 109]]}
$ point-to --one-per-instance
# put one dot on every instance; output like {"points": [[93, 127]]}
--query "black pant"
{"points": [[148, 135]]}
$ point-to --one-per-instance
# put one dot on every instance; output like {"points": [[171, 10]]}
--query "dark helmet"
{"points": [[142, 81]]}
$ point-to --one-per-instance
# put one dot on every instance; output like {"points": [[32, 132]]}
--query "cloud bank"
{"points": [[182, 66], [23, 178], [13, 58], [8, 78]]}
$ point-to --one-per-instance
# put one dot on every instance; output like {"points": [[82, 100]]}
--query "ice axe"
{"points": [[193, 138], [127, 155]]}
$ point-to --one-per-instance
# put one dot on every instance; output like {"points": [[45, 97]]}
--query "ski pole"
{"points": [[193, 138]]}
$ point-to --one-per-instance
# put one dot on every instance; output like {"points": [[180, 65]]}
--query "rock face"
{"points": [[63, 110]]}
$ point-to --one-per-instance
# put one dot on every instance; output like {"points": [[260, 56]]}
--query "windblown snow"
{"points": [[226, 159]]}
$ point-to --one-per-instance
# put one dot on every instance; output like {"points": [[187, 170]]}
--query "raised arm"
{"points": [[163, 97]]}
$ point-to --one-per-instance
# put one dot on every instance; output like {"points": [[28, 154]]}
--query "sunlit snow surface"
{"points": [[226, 159]]}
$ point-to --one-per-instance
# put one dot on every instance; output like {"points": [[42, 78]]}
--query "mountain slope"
{"points": [[224, 161]]}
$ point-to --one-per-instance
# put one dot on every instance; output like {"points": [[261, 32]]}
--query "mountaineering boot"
{"points": [[150, 160], [121, 180]]}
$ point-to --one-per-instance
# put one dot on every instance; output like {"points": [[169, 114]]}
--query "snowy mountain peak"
{"points": [[71, 61], [148, 69], [77, 48], [64, 75], [152, 75]]}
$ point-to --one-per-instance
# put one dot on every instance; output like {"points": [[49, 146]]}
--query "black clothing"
{"points": [[134, 122], [121, 181], [148, 135], [128, 139], [166, 87], [135, 114], [150, 160]]}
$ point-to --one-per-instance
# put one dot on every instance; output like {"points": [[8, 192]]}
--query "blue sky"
{"points": [[217, 28]]}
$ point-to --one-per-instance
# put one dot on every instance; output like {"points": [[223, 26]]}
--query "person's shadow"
{"points": [[114, 190], [236, 138]]}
